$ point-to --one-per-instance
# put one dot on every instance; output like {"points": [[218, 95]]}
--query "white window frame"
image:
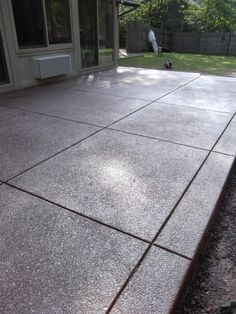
{"points": [[49, 47]]}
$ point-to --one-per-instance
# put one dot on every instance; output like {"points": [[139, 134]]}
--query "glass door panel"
{"points": [[4, 78], [88, 32], [105, 10]]}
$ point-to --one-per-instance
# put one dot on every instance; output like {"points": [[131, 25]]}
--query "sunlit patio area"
{"points": [[108, 185]]}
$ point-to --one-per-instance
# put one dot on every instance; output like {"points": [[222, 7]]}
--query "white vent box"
{"points": [[53, 65]]}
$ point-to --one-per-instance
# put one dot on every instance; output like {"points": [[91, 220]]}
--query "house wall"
{"points": [[19, 61]]}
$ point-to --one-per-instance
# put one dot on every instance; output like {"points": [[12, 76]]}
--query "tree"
{"points": [[162, 14], [147, 12], [211, 16], [157, 13]]}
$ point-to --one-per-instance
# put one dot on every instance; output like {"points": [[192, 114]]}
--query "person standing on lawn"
{"points": [[152, 40]]}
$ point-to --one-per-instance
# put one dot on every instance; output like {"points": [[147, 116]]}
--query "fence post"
{"points": [[229, 42], [164, 39], [198, 44]]}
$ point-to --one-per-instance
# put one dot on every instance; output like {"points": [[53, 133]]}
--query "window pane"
{"points": [[58, 21], [105, 31], [29, 23]]}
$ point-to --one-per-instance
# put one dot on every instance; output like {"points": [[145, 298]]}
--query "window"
{"points": [[30, 28], [30, 18]]}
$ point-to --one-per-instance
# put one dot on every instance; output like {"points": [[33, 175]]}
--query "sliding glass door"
{"points": [[4, 77], [106, 31], [96, 32], [88, 32]]}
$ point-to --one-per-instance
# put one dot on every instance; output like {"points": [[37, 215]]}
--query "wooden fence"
{"points": [[204, 43]]}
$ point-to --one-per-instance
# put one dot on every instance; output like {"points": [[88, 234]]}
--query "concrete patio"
{"points": [[108, 185]]}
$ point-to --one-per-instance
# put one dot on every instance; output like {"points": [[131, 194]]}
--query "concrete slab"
{"points": [[105, 79], [30, 138], [227, 143], [82, 106], [151, 85], [126, 181], [185, 230], [208, 92], [190, 126], [172, 75], [8, 113], [53, 261], [89, 82], [154, 287], [37, 96], [108, 78]]}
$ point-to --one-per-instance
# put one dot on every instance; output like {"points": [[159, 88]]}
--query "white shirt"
{"points": [[151, 36]]}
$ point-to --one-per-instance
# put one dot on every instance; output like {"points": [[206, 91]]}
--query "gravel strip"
{"points": [[214, 283]]}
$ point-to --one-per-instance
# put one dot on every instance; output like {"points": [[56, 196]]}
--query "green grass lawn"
{"points": [[217, 65]]}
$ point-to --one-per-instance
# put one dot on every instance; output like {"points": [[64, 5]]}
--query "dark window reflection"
{"points": [[29, 23]]}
